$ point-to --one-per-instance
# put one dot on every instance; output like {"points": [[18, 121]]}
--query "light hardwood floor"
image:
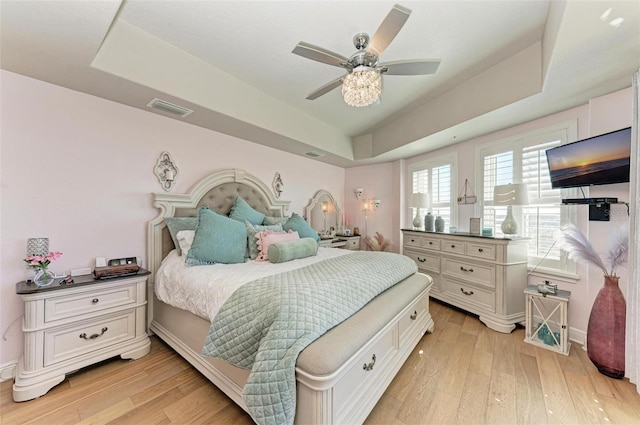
{"points": [[463, 373]]}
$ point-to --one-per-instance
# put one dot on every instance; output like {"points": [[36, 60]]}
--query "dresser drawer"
{"points": [[482, 274], [421, 241], [449, 245], [478, 250], [425, 261], [66, 342], [469, 294], [57, 308]]}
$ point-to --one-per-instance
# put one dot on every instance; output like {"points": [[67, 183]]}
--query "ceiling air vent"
{"points": [[314, 154], [164, 106]]}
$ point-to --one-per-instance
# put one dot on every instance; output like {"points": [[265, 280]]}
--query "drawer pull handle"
{"points": [[480, 249], [465, 292], [94, 336], [466, 270], [430, 243], [369, 366], [453, 246], [413, 240], [422, 260], [94, 301], [414, 315]]}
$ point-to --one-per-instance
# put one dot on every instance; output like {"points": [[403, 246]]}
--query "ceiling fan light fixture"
{"points": [[362, 87]]}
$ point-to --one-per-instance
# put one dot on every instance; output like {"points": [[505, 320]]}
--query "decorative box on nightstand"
{"points": [[67, 327]]}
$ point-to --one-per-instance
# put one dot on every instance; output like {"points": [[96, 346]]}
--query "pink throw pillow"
{"points": [[268, 237]]}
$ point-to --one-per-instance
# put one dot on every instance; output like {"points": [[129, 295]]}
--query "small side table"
{"points": [[546, 320]]}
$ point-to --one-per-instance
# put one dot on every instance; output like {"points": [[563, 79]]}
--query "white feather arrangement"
{"points": [[578, 248]]}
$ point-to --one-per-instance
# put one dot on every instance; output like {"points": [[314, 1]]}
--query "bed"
{"points": [[342, 374]]}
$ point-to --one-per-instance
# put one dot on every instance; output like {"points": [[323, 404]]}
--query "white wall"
{"points": [[601, 115], [79, 170]]}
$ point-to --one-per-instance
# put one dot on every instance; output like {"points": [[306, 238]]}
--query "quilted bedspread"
{"points": [[266, 323]]}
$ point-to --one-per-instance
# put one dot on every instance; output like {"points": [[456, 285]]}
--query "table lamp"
{"points": [[419, 200], [509, 195]]}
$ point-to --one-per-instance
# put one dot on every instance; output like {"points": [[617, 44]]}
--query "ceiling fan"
{"points": [[362, 84]]}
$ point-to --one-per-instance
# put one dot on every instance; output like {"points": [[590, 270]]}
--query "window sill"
{"points": [[552, 274]]}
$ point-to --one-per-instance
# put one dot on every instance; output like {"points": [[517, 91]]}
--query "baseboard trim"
{"points": [[577, 336], [8, 371]]}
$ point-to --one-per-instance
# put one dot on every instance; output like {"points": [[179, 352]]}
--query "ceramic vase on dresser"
{"points": [[606, 329]]}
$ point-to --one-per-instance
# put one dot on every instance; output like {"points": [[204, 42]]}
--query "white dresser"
{"points": [[67, 327], [483, 275]]}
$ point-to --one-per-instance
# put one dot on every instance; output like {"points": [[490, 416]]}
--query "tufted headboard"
{"points": [[217, 191]]}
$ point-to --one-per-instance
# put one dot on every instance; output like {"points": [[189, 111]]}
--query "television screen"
{"points": [[603, 159]]}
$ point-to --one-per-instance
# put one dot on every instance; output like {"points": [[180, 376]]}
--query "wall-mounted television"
{"points": [[603, 159]]}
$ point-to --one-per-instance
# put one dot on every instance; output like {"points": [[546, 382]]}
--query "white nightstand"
{"points": [[67, 327], [345, 242], [547, 319]]}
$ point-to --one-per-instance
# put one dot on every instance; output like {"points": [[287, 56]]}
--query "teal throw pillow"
{"points": [[242, 212], [217, 239], [300, 225], [176, 224], [280, 252], [252, 231]]}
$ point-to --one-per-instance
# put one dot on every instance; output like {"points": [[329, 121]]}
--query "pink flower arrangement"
{"points": [[42, 262]]}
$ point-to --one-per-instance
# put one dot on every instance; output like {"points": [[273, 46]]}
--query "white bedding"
{"points": [[203, 289]]}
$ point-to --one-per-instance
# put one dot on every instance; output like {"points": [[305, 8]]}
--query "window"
{"points": [[522, 159], [436, 177]]}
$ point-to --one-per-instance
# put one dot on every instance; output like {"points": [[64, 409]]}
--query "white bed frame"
{"points": [[346, 395]]}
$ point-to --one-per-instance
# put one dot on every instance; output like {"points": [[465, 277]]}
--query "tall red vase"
{"points": [[606, 330]]}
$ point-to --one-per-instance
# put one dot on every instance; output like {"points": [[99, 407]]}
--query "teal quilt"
{"points": [[266, 323]]}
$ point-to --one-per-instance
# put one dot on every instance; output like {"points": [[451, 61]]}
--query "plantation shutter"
{"points": [[435, 178]]}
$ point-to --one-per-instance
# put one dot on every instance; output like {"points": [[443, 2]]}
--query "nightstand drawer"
{"points": [[64, 343], [57, 308], [352, 244]]}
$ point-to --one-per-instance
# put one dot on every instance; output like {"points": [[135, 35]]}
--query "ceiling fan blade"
{"points": [[325, 89], [319, 54], [411, 67], [389, 28]]}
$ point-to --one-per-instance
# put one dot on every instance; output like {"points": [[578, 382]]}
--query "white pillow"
{"points": [[185, 239]]}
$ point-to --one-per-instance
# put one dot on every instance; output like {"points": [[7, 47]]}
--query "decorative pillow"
{"points": [[175, 224], [270, 220], [300, 225], [185, 240], [217, 239], [268, 237], [252, 230], [241, 211], [280, 252]]}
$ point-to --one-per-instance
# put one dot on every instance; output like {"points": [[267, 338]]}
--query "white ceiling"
{"points": [[503, 63]]}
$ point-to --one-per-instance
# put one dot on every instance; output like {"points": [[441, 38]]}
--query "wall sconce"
{"points": [[358, 191], [166, 171]]}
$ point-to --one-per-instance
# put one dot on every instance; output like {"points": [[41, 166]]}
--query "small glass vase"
{"points": [[43, 277]]}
